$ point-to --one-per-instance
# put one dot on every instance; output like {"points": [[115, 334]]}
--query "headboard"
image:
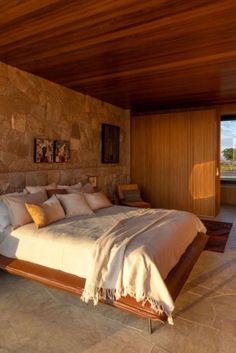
{"points": [[107, 179]]}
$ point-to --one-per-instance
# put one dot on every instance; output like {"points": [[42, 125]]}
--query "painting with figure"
{"points": [[43, 150], [62, 151]]}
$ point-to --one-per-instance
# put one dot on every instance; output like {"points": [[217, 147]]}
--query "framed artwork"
{"points": [[110, 143], [43, 150], [61, 151]]}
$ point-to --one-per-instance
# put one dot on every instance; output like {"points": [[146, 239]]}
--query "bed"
{"points": [[60, 255]]}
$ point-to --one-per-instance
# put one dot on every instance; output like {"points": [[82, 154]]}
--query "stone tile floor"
{"points": [[36, 319]]}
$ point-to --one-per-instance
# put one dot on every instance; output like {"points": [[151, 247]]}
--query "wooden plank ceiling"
{"points": [[143, 55]]}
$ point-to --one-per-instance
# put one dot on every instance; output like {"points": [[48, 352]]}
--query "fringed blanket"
{"points": [[127, 258]]}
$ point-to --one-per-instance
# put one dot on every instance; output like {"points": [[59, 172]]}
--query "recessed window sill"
{"points": [[225, 182]]}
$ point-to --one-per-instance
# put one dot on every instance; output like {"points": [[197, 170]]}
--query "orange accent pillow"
{"points": [[46, 213]]}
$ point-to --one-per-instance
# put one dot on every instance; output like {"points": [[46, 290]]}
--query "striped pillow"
{"points": [[132, 195]]}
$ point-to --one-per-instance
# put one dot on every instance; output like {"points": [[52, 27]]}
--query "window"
{"points": [[228, 148]]}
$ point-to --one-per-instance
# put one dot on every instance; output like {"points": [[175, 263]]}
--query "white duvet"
{"points": [[148, 255]]}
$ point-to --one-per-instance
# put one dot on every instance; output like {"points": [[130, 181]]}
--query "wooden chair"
{"points": [[129, 195]]}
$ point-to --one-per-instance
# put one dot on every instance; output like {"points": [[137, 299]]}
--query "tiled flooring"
{"points": [[36, 319]]}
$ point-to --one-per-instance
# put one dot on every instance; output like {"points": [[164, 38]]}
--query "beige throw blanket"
{"points": [[120, 270]]}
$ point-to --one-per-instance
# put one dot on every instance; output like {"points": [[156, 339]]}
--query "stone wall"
{"points": [[32, 107]]}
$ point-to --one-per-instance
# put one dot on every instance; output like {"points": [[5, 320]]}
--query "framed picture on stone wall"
{"points": [[61, 151], [43, 150], [110, 143]]}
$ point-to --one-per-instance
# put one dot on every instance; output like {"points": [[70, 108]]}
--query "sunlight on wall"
{"points": [[200, 183]]}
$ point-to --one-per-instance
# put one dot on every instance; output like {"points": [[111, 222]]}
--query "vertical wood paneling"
{"points": [[174, 159], [179, 161], [204, 162], [159, 183], [139, 151], [228, 195]]}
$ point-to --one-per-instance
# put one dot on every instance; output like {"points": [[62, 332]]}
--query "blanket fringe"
{"points": [[113, 294]]}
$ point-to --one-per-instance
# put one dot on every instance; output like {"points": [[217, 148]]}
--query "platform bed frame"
{"points": [[74, 284]]}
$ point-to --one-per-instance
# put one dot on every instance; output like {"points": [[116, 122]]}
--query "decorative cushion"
{"points": [[132, 195], [74, 205], [16, 207], [51, 192], [34, 189], [24, 192], [46, 213], [87, 188], [83, 189], [75, 186], [97, 200]]}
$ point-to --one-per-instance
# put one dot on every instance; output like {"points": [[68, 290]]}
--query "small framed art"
{"points": [[93, 181], [110, 143], [61, 151], [43, 150]]}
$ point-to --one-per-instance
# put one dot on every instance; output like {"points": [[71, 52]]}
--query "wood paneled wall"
{"points": [[174, 159], [228, 195]]}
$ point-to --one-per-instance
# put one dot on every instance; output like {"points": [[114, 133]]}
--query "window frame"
{"points": [[226, 117]]}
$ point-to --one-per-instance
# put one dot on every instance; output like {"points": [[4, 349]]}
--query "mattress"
{"points": [[68, 245]]}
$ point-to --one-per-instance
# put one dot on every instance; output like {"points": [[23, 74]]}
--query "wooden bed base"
{"points": [[73, 284]]}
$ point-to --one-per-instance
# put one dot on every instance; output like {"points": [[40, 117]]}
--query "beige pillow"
{"points": [[87, 188], [97, 200], [16, 207], [24, 192], [34, 189], [75, 186], [74, 205], [46, 213]]}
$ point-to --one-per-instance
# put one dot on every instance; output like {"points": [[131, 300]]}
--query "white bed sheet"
{"points": [[68, 245]]}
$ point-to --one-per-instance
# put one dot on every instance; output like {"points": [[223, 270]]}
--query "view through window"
{"points": [[228, 148]]}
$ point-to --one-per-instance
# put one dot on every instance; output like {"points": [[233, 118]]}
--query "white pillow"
{"points": [[4, 217], [16, 207], [97, 200], [24, 192], [74, 204], [34, 189], [5, 220], [75, 186]]}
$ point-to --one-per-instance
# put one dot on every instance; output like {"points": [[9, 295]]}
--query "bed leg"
{"points": [[149, 326]]}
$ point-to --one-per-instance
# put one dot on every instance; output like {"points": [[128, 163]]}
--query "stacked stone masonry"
{"points": [[32, 107]]}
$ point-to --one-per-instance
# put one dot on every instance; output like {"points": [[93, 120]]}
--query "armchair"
{"points": [[129, 195]]}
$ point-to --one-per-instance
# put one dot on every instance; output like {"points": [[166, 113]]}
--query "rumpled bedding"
{"points": [[119, 250], [122, 266]]}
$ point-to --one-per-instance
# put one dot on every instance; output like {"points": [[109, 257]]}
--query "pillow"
{"points": [[4, 217], [24, 192], [74, 205], [132, 195], [87, 188], [75, 186], [5, 220], [34, 189], [51, 192], [46, 213], [97, 200], [16, 207]]}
